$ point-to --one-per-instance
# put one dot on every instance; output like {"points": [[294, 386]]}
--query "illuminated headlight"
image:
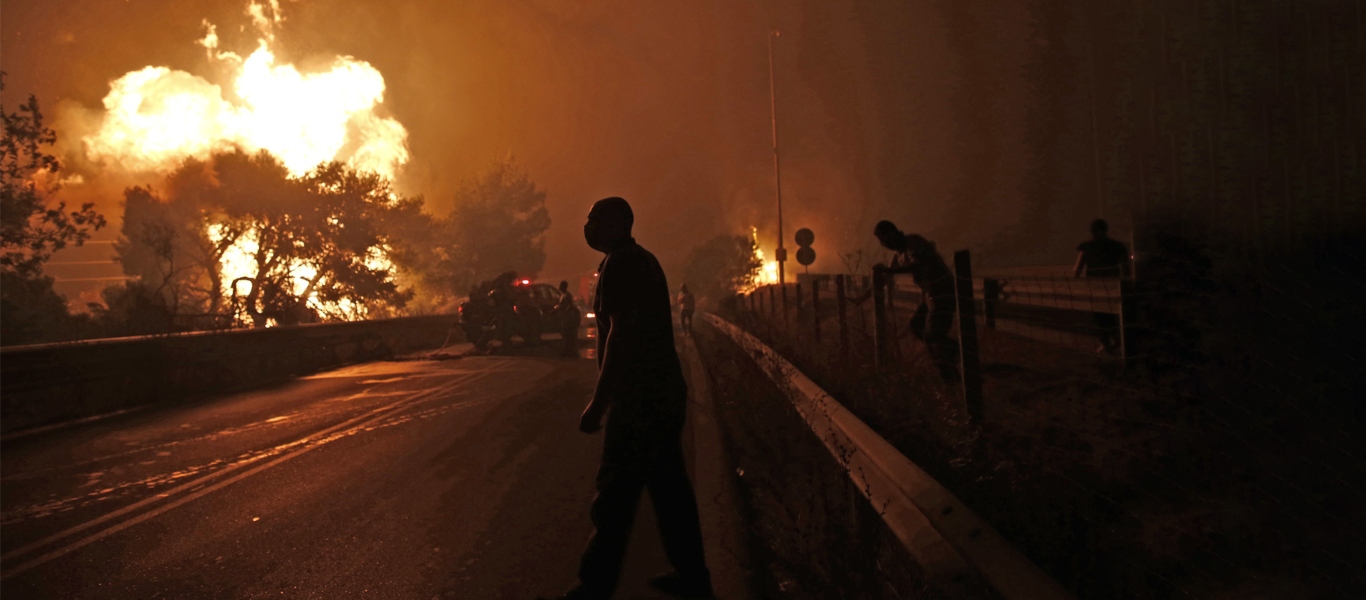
{"points": [[591, 315]]}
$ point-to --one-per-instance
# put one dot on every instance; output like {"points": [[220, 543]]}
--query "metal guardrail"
{"points": [[946, 538], [47, 383], [1041, 303]]}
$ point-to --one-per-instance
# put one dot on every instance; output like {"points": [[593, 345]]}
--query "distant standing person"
{"points": [[686, 305], [933, 319], [1101, 256], [568, 315], [641, 383]]}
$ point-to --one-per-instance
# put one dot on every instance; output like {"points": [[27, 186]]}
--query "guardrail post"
{"points": [[816, 310], [1126, 322], [840, 302], [991, 294], [967, 336], [889, 281], [880, 341]]}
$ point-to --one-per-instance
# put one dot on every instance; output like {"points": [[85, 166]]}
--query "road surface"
{"points": [[459, 478]]}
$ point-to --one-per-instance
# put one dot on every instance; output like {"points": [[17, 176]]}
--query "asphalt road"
{"points": [[462, 478]]}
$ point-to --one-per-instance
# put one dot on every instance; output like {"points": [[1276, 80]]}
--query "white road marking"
{"points": [[281, 453]]}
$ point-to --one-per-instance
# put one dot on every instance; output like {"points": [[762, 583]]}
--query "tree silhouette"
{"points": [[497, 225], [33, 225], [721, 266], [33, 222]]}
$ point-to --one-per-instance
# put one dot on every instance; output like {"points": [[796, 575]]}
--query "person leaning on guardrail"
{"points": [[933, 319], [1103, 256]]}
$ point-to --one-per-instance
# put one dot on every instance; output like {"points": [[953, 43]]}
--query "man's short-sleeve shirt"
{"points": [[633, 293], [932, 274], [1104, 257]]}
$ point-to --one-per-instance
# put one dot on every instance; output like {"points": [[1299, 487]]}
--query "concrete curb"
{"points": [[717, 500], [950, 542]]}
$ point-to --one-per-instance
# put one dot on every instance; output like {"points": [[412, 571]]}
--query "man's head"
{"points": [[1099, 228], [564, 286], [889, 236], [609, 224]]}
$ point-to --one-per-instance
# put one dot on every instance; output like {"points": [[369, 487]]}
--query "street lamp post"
{"points": [[777, 170]]}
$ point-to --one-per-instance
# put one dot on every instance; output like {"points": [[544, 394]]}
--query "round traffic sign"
{"points": [[805, 237], [806, 255]]}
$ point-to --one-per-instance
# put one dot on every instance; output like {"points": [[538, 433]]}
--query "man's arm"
{"points": [[615, 346], [1077, 268], [899, 265]]}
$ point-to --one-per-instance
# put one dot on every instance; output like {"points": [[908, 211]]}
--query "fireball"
{"points": [[155, 116]]}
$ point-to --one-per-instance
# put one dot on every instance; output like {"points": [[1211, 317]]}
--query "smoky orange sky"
{"points": [[663, 103]]}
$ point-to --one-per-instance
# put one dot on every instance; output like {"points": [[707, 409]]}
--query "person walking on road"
{"points": [[686, 305], [1103, 257], [642, 394], [567, 315], [933, 319]]}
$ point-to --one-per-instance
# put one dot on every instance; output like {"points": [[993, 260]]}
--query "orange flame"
{"points": [[768, 273], [154, 117]]}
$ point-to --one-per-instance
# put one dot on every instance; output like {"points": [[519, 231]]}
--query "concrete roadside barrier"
{"points": [[49, 383]]}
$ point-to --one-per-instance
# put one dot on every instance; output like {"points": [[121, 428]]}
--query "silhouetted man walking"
{"points": [[568, 316], [687, 304], [641, 383], [1102, 256]]}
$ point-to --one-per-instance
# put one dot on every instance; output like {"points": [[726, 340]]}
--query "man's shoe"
{"points": [[675, 584]]}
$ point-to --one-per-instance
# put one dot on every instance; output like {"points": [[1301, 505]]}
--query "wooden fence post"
{"points": [[816, 310], [991, 294], [967, 337], [1127, 322], [881, 344], [840, 302]]}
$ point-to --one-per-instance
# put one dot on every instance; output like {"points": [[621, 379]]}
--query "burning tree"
{"points": [[722, 266], [236, 237]]}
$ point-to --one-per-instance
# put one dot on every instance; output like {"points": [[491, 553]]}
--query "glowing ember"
{"points": [[156, 116]]}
